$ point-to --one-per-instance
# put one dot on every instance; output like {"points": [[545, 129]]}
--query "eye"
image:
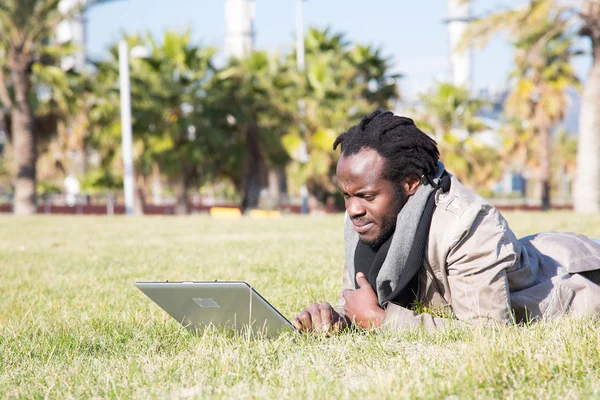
{"points": [[369, 198], [346, 195]]}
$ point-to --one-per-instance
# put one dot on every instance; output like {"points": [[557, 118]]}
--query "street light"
{"points": [[125, 91], [301, 103]]}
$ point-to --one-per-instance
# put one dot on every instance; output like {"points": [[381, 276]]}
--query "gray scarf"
{"points": [[407, 248]]}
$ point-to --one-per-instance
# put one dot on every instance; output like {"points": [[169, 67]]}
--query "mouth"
{"points": [[363, 228]]}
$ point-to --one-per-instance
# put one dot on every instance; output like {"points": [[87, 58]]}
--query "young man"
{"points": [[415, 234]]}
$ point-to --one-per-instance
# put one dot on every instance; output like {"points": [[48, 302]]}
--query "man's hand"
{"points": [[319, 318], [361, 306]]}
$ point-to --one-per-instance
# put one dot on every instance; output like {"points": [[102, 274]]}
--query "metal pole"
{"points": [[128, 182], [301, 103]]}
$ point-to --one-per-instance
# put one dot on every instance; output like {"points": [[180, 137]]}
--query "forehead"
{"points": [[364, 167]]}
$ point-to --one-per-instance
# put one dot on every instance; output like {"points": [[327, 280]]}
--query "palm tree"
{"points": [[519, 146], [448, 106], [538, 99], [562, 20], [26, 28], [539, 95], [342, 82], [170, 123], [252, 103], [374, 69], [171, 126], [105, 130], [71, 102], [565, 162], [451, 113], [587, 182]]}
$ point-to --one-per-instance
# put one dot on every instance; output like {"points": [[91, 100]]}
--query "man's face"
{"points": [[372, 202]]}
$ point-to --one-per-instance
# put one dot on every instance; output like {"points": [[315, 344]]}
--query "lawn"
{"points": [[72, 324]]}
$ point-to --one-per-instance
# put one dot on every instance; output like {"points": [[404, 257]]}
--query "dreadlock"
{"points": [[405, 148]]}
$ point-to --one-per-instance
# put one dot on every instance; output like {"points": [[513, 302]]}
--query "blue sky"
{"points": [[411, 32]]}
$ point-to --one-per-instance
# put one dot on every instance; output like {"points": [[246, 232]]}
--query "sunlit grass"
{"points": [[72, 324]]}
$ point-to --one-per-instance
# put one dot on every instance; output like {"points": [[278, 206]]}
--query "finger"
{"points": [[339, 322], [315, 315], [347, 308], [346, 292], [326, 316], [362, 281], [297, 324], [306, 320]]}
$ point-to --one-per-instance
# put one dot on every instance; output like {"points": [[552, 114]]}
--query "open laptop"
{"points": [[232, 306]]}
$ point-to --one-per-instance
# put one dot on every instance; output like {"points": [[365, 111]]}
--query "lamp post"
{"points": [[125, 90], [301, 103], [126, 134]]}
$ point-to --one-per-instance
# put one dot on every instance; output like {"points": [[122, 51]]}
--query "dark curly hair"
{"points": [[405, 148]]}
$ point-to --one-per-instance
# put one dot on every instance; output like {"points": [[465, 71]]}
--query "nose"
{"points": [[354, 207]]}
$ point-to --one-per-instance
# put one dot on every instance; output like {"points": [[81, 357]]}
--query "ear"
{"points": [[410, 184]]}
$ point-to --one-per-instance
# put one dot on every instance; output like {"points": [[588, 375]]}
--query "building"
{"points": [[239, 27], [459, 15], [72, 30]]}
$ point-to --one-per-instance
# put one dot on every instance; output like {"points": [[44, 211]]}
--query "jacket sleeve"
{"points": [[476, 266], [398, 317]]}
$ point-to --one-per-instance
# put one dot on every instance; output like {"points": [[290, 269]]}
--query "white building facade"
{"points": [[239, 27], [459, 15], [72, 30]]}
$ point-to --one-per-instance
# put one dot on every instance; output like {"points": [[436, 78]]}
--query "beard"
{"points": [[385, 234], [389, 225]]}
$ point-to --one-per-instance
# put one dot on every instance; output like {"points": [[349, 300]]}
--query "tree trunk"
{"points": [[139, 201], [275, 189], [439, 131], [156, 185], [182, 207], [256, 174], [586, 194], [23, 136], [545, 167], [3, 133]]}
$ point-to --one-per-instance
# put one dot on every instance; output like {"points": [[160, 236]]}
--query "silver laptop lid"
{"points": [[228, 305]]}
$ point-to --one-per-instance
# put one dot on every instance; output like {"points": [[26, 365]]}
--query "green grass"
{"points": [[73, 325]]}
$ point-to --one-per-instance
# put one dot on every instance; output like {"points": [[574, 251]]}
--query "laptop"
{"points": [[232, 306]]}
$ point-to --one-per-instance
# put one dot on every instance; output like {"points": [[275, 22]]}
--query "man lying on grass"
{"points": [[415, 235]]}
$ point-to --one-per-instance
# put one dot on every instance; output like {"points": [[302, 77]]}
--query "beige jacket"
{"points": [[476, 268]]}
